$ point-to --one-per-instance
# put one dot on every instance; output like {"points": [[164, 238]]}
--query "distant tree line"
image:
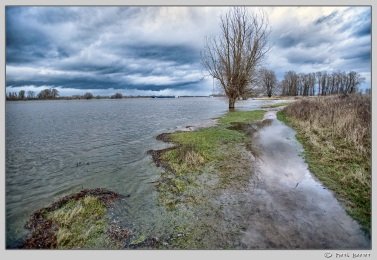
{"points": [[117, 95], [267, 81], [53, 93], [320, 83], [307, 84], [21, 95]]}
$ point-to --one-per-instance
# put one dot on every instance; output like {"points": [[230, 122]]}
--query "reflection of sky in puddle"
{"points": [[287, 207]]}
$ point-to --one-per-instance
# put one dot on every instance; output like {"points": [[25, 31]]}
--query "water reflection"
{"points": [[54, 148]]}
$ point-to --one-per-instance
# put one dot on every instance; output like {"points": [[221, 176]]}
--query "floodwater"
{"points": [[54, 148], [285, 207]]}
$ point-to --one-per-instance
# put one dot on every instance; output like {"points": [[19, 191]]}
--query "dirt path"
{"points": [[285, 206]]}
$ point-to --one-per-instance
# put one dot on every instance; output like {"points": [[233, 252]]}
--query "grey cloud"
{"points": [[178, 53], [359, 26], [362, 54], [298, 59], [292, 34], [287, 41], [303, 56], [158, 48], [326, 18]]}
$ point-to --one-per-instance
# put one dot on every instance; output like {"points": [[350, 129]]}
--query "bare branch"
{"points": [[233, 56]]}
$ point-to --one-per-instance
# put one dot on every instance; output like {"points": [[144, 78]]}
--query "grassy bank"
{"points": [[277, 105], [217, 152], [336, 135], [202, 165]]}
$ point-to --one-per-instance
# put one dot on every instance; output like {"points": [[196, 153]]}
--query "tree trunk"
{"points": [[232, 101]]}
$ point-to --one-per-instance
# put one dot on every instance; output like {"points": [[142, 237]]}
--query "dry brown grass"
{"points": [[336, 134], [347, 118]]}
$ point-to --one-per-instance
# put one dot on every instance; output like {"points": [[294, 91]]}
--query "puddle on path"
{"points": [[285, 207]]}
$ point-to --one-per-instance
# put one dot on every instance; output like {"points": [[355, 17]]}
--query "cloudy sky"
{"points": [[156, 50]]}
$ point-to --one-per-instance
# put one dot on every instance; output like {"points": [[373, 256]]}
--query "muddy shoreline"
{"points": [[43, 231]]}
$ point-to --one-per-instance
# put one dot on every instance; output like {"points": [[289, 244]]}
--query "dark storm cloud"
{"points": [[364, 26], [303, 37], [83, 48], [287, 41], [23, 41], [362, 53], [359, 26], [158, 48], [300, 58], [326, 18], [178, 53], [364, 30], [191, 85]]}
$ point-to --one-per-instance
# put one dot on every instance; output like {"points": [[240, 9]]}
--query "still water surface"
{"points": [[54, 148]]}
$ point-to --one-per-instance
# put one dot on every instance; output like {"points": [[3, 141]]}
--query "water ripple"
{"points": [[56, 147]]}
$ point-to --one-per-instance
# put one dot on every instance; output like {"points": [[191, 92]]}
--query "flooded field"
{"points": [[54, 148]]}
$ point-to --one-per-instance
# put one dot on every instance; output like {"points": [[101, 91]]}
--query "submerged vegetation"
{"points": [[76, 221], [81, 223], [202, 165], [217, 153], [336, 135]]}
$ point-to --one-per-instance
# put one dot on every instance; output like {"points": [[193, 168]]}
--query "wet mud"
{"points": [[285, 206]]}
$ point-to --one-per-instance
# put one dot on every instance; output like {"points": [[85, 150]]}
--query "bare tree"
{"points": [[290, 84], [233, 56], [328, 83], [88, 95], [51, 93], [54, 93], [30, 94], [44, 94], [267, 80], [117, 95], [12, 96], [354, 79], [21, 94], [307, 84]]}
